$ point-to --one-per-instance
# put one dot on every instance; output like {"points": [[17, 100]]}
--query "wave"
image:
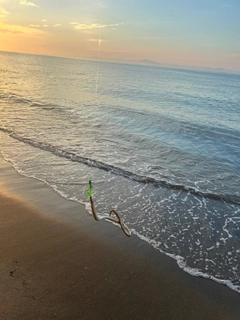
{"points": [[144, 119], [228, 198], [151, 119], [16, 98], [183, 265]]}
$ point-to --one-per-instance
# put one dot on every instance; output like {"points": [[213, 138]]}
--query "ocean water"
{"points": [[161, 145]]}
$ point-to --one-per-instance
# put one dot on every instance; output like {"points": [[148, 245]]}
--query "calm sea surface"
{"points": [[162, 146]]}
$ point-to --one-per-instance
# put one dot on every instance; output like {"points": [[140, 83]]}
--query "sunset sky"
{"points": [[201, 33]]}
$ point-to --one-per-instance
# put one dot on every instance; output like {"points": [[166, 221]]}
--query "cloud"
{"points": [[57, 25], [82, 26], [97, 40], [8, 28], [3, 13], [28, 3]]}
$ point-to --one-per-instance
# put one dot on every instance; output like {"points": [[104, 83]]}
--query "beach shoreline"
{"points": [[58, 263]]}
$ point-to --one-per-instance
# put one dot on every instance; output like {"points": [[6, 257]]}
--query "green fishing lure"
{"points": [[90, 189]]}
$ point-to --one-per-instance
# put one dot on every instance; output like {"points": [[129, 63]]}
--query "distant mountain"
{"points": [[148, 62], [156, 64], [151, 63]]}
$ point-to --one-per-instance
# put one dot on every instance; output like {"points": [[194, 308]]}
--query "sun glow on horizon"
{"points": [[19, 38]]}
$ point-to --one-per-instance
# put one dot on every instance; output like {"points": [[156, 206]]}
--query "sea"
{"points": [[161, 146]]}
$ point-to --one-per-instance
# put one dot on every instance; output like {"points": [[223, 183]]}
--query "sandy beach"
{"points": [[58, 263]]}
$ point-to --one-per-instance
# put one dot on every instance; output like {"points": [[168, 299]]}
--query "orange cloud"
{"points": [[19, 29], [28, 3], [82, 26], [20, 38], [3, 13]]}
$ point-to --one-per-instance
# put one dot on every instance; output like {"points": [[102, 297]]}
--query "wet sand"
{"points": [[58, 263]]}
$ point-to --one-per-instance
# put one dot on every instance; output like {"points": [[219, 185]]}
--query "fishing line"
{"points": [[97, 75]]}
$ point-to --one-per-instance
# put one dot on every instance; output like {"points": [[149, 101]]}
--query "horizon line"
{"points": [[141, 62]]}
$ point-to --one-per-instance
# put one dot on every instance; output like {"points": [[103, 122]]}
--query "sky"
{"points": [[199, 33]]}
